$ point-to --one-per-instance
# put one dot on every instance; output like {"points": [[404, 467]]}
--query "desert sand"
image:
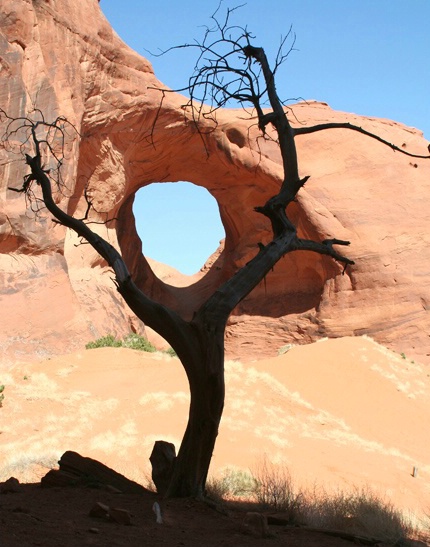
{"points": [[340, 414]]}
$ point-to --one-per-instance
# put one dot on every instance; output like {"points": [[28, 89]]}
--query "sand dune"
{"points": [[340, 413]]}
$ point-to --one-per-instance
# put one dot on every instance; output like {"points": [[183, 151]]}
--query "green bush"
{"points": [[132, 341], [171, 352], [135, 341], [1, 395], [108, 341]]}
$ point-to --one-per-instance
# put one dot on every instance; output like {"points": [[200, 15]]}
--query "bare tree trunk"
{"points": [[207, 390]]}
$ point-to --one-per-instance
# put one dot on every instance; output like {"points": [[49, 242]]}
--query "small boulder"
{"points": [[120, 516], [162, 459], [99, 510], [115, 514], [11, 486]]}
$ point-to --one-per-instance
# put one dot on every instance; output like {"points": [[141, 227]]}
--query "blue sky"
{"points": [[370, 57]]}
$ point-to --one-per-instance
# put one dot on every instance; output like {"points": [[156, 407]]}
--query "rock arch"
{"points": [[112, 96]]}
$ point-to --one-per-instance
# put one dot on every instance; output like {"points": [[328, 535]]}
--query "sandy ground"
{"points": [[340, 414]]}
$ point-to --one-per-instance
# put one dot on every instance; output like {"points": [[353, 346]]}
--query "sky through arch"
{"points": [[178, 223]]}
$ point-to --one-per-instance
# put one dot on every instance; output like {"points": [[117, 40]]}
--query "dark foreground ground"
{"points": [[59, 517]]}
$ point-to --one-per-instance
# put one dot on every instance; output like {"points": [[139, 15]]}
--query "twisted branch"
{"points": [[347, 125]]}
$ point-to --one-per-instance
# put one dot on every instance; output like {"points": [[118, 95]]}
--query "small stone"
{"points": [[157, 510], [94, 530], [120, 516], [256, 524], [99, 510]]}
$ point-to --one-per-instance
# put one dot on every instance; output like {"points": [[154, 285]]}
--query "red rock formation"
{"points": [[63, 58]]}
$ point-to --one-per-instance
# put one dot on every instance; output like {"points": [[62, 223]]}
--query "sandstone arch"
{"points": [[107, 91]]}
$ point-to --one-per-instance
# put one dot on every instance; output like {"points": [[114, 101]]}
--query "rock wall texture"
{"points": [[62, 57]]}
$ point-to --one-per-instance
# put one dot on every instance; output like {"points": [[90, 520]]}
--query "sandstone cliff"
{"points": [[63, 58]]}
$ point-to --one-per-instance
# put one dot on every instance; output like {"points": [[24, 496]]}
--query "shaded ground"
{"points": [[54, 517]]}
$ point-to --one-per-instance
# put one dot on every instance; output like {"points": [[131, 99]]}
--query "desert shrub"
{"points": [[135, 341], [132, 341], [215, 489], [171, 352], [285, 349], [275, 490], [1, 395], [360, 512], [108, 341], [233, 483]]}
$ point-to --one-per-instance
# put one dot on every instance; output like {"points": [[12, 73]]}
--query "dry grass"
{"points": [[360, 512], [274, 490], [29, 465]]}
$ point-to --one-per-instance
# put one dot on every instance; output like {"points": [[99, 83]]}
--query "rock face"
{"points": [[63, 58]]}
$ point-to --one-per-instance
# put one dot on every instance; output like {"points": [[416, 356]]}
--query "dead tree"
{"points": [[228, 69]]}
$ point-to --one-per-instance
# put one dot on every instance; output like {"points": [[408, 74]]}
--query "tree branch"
{"points": [[279, 120], [219, 306], [346, 125], [324, 248]]}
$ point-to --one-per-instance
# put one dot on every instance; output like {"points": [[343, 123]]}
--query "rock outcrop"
{"points": [[63, 58]]}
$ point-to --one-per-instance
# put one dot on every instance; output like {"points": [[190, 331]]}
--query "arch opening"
{"points": [[179, 225]]}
